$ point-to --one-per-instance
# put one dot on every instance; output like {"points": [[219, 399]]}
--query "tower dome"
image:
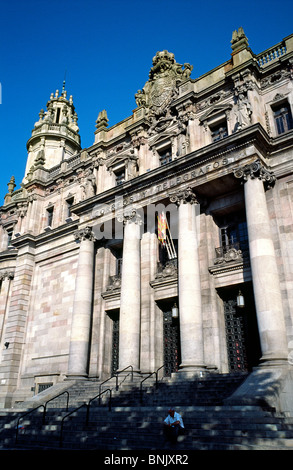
{"points": [[55, 136]]}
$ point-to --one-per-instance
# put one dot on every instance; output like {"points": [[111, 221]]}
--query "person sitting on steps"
{"points": [[173, 425]]}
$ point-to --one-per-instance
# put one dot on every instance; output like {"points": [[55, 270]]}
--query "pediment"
{"points": [[161, 138], [118, 159], [215, 110]]}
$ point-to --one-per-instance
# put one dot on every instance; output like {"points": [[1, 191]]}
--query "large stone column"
{"points": [[190, 311], [82, 307], [129, 322], [266, 284]]}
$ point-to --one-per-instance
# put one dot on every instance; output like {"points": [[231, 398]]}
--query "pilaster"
{"points": [[16, 322]]}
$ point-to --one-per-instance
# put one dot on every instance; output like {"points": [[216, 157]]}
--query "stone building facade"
{"points": [[93, 279]]}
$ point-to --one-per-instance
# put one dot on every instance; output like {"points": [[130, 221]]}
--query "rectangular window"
{"points": [[165, 156], [118, 266], [58, 115], [69, 203], [234, 235], [219, 131], [120, 176], [283, 118], [50, 212], [9, 237]]}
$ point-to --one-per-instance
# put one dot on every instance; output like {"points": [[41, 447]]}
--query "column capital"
{"points": [[255, 170], [84, 234], [184, 196], [6, 275], [130, 216]]}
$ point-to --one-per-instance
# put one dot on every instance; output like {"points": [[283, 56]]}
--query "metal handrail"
{"points": [[51, 399], [123, 370], [148, 376], [63, 419], [22, 416], [87, 412], [116, 375], [94, 398]]}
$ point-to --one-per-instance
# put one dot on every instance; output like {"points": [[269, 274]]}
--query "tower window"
{"points": [[58, 111]]}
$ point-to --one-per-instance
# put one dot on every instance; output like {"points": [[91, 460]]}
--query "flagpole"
{"points": [[173, 255], [174, 251]]}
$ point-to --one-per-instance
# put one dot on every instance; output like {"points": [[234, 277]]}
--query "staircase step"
{"points": [[135, 424]]}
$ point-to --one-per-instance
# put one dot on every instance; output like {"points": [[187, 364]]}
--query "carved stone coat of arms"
{"points": [[161, 88]]}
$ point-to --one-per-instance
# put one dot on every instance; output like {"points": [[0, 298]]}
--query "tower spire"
{"points": [[64, 81], [55, 136]]}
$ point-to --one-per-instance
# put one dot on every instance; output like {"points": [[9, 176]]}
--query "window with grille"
{"points": [[44, 386]]}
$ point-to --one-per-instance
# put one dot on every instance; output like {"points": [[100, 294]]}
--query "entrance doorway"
{"points": [[171, 338], [242, 338], [114, 315]]}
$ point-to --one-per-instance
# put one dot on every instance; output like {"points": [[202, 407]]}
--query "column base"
{"points": [[266, 387], [76, 377], [192, 370], [273, 362]]}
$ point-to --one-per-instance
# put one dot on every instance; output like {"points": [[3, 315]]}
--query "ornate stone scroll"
{"points": [[184, 196], [6, 275], [84, 234], [255, 170], [130, 215]]}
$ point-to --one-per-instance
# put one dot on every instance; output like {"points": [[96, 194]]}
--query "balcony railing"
{"points": [[271, 54]]}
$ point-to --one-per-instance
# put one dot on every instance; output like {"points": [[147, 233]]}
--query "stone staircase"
{"points": [[134, 421]]}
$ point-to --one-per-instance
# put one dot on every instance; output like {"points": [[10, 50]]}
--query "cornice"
{"points": [[8, 255], [255, 135], [44, 237]]}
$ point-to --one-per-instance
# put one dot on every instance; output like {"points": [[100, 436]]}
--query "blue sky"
{"points": [[106, 48]]}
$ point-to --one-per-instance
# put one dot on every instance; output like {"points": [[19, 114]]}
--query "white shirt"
{"points": [[176, 417]]}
